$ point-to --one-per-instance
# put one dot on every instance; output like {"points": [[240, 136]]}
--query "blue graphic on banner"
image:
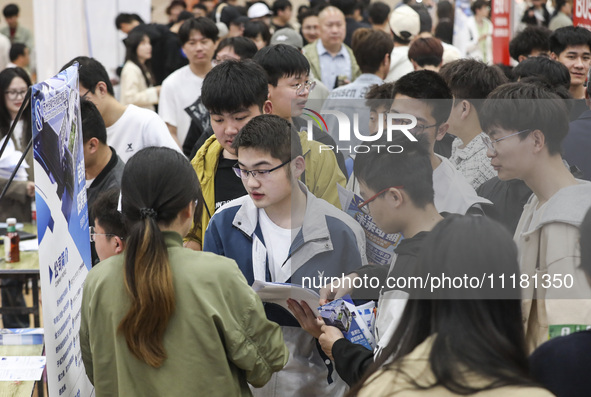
{"points": [[59, 150]]}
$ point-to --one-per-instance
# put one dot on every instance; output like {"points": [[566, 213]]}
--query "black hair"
{"points": [[200, 6], [157, 184], [93, 125], [104, 211], [481, 337], [507, 71], [585, 243], [203, 25], [253, 28], [234, 85], [127, 18], [527, 106], [530, 39], [545, 68], [272, 134], [410, 168], [445, 10], [558, 4], [16, 50], [280, 5], [312, 12], [11, 10], [478, 4], [184, 15], [6, 77], [426, 51], [243, 47], [346, 6], [379, 95], [369, 47], [90, 73], [444, 31], [569, 36], [378, 12], [426, 22], [428, 87], [174, 3], [472, 79], [280, 61], [132, 42]]}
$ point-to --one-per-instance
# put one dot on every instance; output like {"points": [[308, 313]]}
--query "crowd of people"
{"points": [[207, 174]]}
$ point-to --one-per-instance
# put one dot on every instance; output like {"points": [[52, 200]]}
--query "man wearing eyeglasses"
{"points": [[425, 95], [109, 232], [526, 125], [233, 93], [281, 232]]}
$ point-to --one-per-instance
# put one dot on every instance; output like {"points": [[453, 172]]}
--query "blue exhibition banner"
{"points": [[62, 226]]}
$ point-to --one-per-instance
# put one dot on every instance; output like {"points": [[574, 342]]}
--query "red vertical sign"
{"points": [[501, 19], [582, 13]]}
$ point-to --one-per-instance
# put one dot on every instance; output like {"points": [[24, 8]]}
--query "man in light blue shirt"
{"points": [[329, 57]]}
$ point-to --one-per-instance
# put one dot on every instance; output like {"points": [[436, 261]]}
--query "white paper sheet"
{"points": [[280, 293], [21, 368]]}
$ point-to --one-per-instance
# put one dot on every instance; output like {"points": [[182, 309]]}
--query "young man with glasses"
{"points": [[425, 95], [526, 124], [109, 232], [233, 93], [281, 232], [398, 193]]}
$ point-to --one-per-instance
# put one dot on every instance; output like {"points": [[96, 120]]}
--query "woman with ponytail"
{"points": [[163, 320]]}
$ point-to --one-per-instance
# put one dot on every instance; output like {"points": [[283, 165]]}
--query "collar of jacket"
{"points": [[207, 158], [314, 227]]}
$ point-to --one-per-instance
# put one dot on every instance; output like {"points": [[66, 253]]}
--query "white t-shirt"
{"points": [[453, 193], [136, 129], [277, 242], [179, 91]]}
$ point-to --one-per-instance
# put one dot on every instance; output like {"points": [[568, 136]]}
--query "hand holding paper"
{"points": [[308, 321]]}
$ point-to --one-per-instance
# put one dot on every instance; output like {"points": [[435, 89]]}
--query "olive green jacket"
{"points": [[217, 340]]}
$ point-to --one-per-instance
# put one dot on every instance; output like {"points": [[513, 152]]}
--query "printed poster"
{"points": [[62, 227]]}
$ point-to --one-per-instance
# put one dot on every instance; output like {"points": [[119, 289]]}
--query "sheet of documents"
{"points": [[29, 245], [279, 293], [21, 368]]}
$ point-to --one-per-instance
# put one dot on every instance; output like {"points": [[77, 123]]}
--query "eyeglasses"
{"points": [[309, 85], [13, 94], [93, 233], [416, 130], [490, 143], [364, 207], [256, 174], [86, 93]]}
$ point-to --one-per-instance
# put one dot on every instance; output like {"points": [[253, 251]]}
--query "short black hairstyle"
{"points": [[104, 210], [527, 106], [428, 87], [271, 134], [410, 168], [569, 36], [379, 95], [93, 125], [253, 28], [530, 39], [444, 30], [426, 22], [472, 79], [184, 15], [280, 61], [545, 68], [90, 73], [11, 10], [127, 18], [346, 6], [200, 6], [203, 25], [234, 85], [243, 47], [478, 4], [280, 5], [16, 50], [378, 12]]}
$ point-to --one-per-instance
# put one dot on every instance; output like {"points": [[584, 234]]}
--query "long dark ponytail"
{"points": [[157, 184]]}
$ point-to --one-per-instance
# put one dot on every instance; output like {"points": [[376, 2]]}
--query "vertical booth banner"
{"points": [[501, 18], [62, 227], [582, 13]]}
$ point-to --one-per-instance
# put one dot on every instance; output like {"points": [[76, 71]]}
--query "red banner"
{"points": [[582, 13], [501, 18]]}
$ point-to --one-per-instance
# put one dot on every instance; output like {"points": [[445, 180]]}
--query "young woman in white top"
{"points": [[137, 82]]}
